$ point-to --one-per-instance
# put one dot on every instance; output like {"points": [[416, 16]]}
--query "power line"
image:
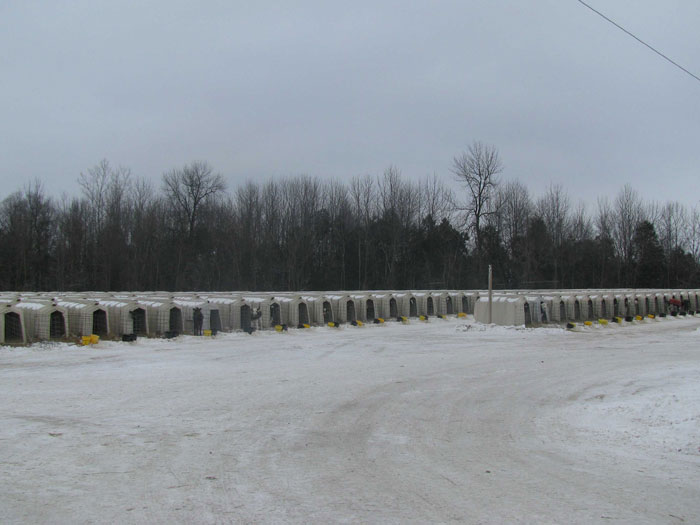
{"points": [[639, 40]]}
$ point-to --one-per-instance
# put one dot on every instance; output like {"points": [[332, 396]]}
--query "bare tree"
{"points": [[95, 184], [397, 199], [436, 200], [363, 198], [105, 189], [301, 198], [398, 208], [478, 170], [364, 202], [27, 222], [331, 247], [141, 194], [673, 228], [604, 225], [336, 200], [188, 188], [515, 208], [145, 234], [693, 233], [604, 220], [581, 227], [553, 208], [73, 216], [672, 222], [628, 214], [271, 241]]}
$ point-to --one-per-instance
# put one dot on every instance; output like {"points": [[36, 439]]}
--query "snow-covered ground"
{"points": [[428, 422]]}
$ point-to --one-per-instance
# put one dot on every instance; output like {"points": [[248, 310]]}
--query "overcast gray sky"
{"points": [[336, 89]]}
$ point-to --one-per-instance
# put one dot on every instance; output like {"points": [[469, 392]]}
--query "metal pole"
{"points": [[490, 295]]}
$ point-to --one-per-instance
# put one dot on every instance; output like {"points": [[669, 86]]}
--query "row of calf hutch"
{"points": [[28, 317], [533, 308]]}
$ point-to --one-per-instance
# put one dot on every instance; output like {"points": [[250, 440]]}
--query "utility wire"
{"points": [[639, 40]]}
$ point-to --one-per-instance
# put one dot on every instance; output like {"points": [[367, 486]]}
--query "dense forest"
{"points": [[305, 233]]}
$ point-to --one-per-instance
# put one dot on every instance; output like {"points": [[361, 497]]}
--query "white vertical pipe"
{"points": [[490, 294]]}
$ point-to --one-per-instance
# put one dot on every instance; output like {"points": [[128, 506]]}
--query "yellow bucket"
{"points": [[207, 333], [94, 339], [85, 340], [461, 314]]}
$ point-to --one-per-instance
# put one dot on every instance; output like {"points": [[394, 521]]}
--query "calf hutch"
{"points": [[228, 307], [44, 321], [125, 317], [370, 310], [425, 304], [295, 311], [164, 316], [343, 308], [326, 310], [265, 312], [469, 300], [314, 305], [12, 328], [86, 317], [408, 305], [320, 308], [507, 310], [385, 304], [199, 315], [452, 303]]}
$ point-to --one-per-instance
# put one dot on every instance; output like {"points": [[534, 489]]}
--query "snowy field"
{"points": [[440, 422]]}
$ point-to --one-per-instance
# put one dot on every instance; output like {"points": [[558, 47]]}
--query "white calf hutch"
{"points": [[125, 317], [194, 307], [371, 309], [385, 304], [507, 310], [408, 305], [361, 307], [314, 307], [294, 310], [452, 303], [164, 316], [44, 321], [264, 311], [343, 307], [469, 300], [426, 304], [587, 309], [86, 318], [12, 329], [229, 310]]}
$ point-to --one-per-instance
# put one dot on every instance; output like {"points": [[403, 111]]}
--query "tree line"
{"points": [[305, 233]]}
